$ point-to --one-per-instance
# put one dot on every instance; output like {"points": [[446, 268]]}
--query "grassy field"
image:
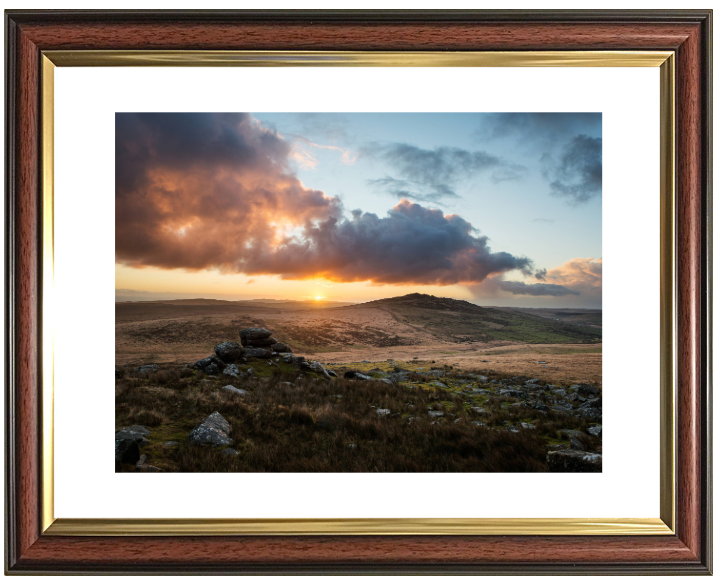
{"points": [[294, 421]]}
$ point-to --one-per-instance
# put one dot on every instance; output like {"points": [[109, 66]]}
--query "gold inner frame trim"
{"points": [[348, 59], [360, 527], [665, 525]]}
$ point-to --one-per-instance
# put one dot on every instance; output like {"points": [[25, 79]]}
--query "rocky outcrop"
{"points": [[254, 333], [588, 390], [259, 352], [255, 339], [229, 351], [212, 365], [213, 431], [574, 461]]}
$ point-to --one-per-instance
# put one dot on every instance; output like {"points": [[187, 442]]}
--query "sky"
{"points": [[497, 209]]}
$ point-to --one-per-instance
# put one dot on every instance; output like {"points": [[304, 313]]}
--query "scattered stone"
{"points": [[513, 393], [204, 363], [147, 468], [435, 413], [127, 450], [536, 405], [280, 347], [143, 459], [351, 445], [594, 403], [170, 444], [527, 425], [229, 452], [135, 433], [319, 369], [574, 461], [532, 381], [592, 414], [213, 431], [232, 390], [148, 369], [595, 430], [575, 444], [229, 351], [232, 370], [438, 384], [574, 434], [382, 411], [212, 370], [137, 429]]}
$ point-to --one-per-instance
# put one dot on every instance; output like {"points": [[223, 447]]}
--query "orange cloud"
{"points": [[215, 192], [581, 274]]}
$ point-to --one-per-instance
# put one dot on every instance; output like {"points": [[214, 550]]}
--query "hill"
{"points": [[461, 321]]}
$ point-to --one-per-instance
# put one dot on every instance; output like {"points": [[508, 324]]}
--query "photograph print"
{"points": [[360, 292]]}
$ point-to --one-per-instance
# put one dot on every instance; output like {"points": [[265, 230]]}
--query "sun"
{"points": [[319, 297]]}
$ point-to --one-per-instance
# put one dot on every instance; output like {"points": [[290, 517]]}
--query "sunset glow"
{"points": [[370, 206]]}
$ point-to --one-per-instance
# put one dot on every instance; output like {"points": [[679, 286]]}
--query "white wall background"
{"points": [[179, 4]]}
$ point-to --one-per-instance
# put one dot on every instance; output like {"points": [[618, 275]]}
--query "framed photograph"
{"points": [[394, 291]]}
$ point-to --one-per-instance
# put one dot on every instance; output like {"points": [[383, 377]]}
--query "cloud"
{"points": [[216, 191], [531, 128], [581, 274], [251, 281], [577, 174], [432, 175], [577, 277], [301, 152], [544, 220], [536, 289]]}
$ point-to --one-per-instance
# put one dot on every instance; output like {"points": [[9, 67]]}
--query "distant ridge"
{"points": [[425, 301]]}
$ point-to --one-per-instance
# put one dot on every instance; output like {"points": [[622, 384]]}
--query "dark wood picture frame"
{"points": [[687, 33]]}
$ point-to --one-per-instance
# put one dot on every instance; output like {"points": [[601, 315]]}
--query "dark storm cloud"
{"points": [[576, 174], [432, 175], [215, 191], [540, 274], [410, 245], [535, 289], [534, 127]]}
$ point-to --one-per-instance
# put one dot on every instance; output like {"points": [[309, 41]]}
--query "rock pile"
{"points": [[254, 343], [260, 343]]}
